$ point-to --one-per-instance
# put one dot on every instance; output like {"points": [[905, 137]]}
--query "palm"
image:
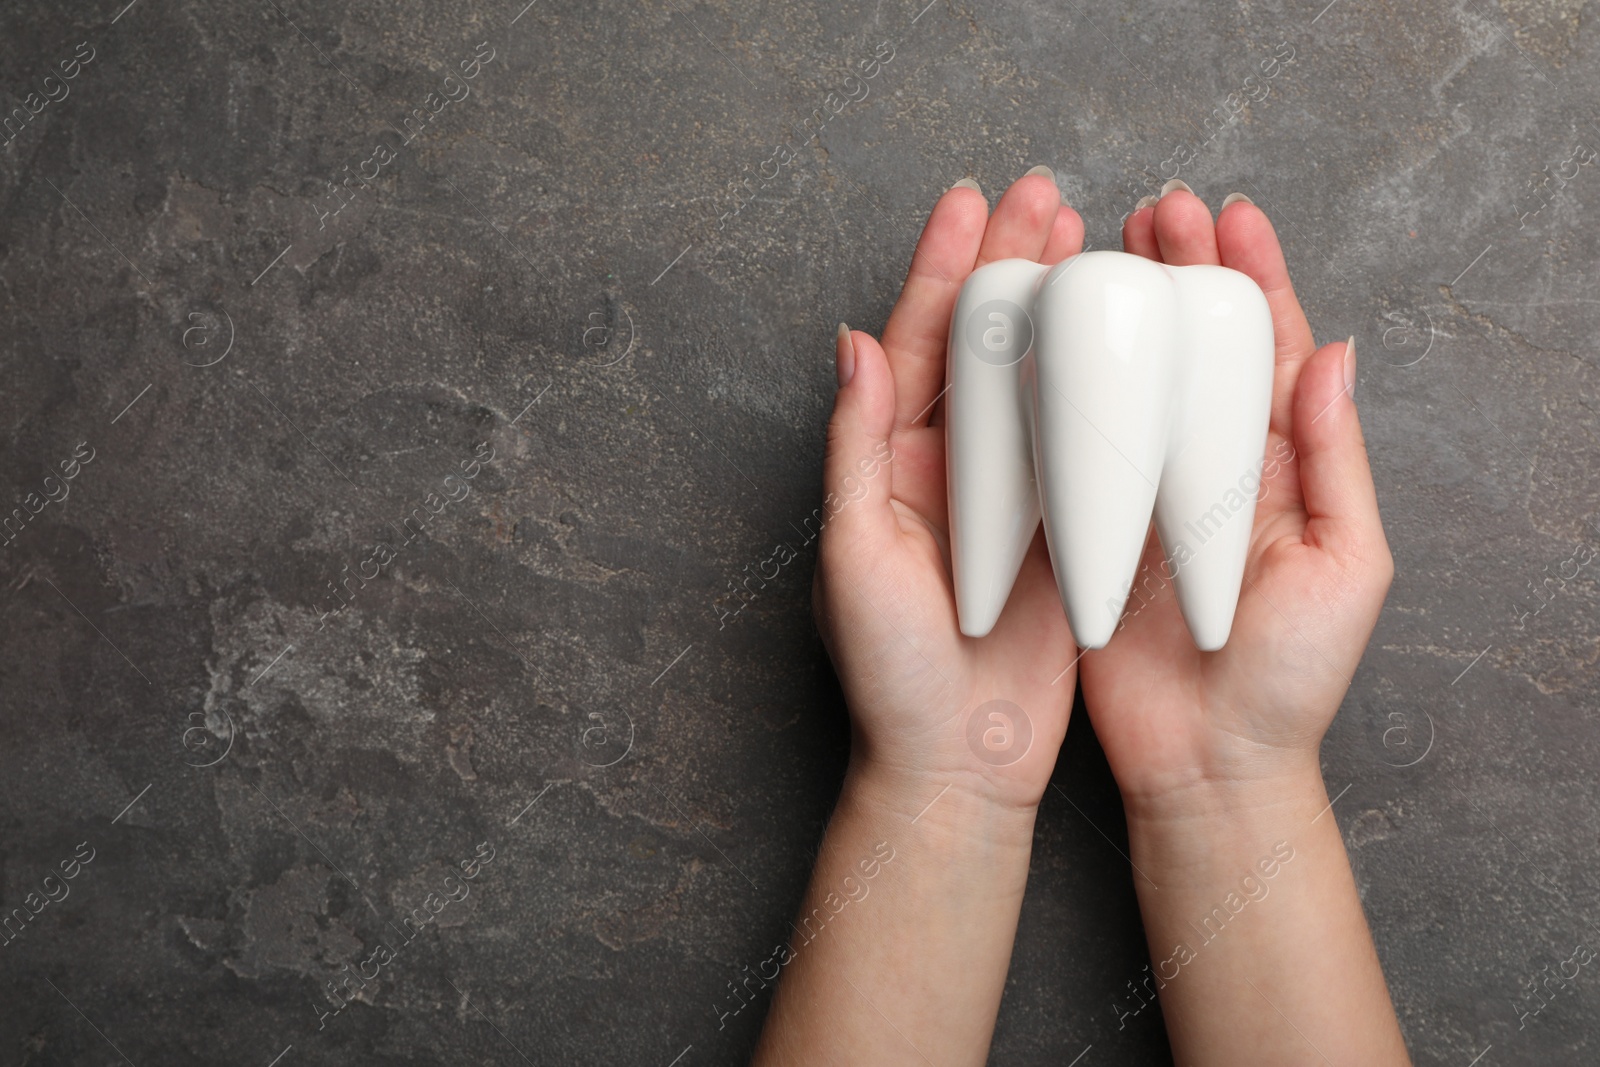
{"points": [[1188, 702], [1167, 713], [937, 675], [883, 594]]}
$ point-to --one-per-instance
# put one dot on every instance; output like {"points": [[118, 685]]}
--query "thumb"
{"points": [[1335, 477], [856, 469]]}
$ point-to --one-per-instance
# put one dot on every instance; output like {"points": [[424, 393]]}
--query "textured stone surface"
{"points": [[569, 234]]}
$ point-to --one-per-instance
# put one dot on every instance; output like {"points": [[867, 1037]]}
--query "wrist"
{"points": [[1257, 781], [1194, 828], [996, 754], [957, 814]]}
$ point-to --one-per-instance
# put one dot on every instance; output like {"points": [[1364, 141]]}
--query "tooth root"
{"points": [[1222, 402], [1143, 377], [994, 506], [1102, 402]]}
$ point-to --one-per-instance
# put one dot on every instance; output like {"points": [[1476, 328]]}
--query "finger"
{"points": [[1335, 476], [1139, 230], [856, 476], [1066, 236], [1023, 219], [914, 337], [1184, 230], [1248, 243]]}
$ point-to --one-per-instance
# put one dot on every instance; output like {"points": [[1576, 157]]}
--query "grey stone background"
{"points": [[560, 266]]}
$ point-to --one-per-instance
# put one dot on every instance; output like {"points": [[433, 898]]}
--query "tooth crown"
{"points": [[1099, 392]]}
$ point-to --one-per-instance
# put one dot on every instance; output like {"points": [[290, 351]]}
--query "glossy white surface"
{"points": [[991, 466], [1102, 391]]}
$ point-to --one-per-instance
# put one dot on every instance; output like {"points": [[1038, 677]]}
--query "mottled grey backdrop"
{"points": [[596, 281]]}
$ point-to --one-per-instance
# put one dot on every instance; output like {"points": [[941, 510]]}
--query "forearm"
{"points": [[1259, 948], [900, 951]]}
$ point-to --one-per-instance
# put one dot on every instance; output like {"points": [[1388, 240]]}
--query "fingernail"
{"points": [[1041, 169], [1174, 185], [1146, 201], [1235, 198], [844, 356], [967, 183], [1350, 366]]}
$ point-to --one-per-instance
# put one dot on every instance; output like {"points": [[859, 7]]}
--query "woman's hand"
{"points": [[1259, 951], [1176, 722], [883, 595], [902, 944]]}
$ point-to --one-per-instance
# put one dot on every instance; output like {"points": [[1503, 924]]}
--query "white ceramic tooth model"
{"points": [[1106, 388]]}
